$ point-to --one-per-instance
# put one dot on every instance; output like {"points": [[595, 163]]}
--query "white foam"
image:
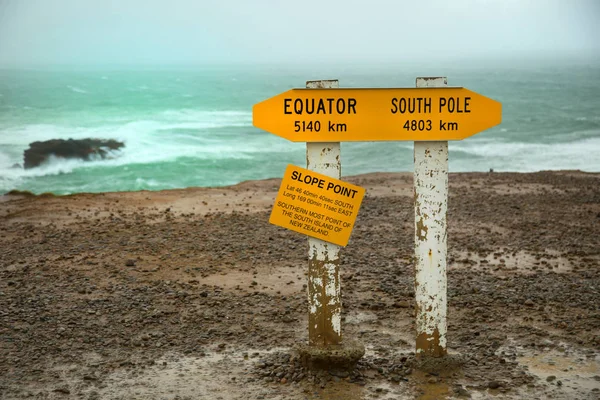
{"points": [[12, 177], [76, 89], [122, 128], [188, 114], [142, 183], [5, 160], [151, 140], [528, 157]]}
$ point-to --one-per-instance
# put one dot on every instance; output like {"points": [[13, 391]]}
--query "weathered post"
{"points": [[431, 204], [324, 298]]}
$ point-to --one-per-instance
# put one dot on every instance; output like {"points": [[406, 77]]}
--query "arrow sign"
{"points": [[351, 115]]}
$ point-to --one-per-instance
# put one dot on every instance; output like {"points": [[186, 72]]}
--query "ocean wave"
{"points": [[506, 149], [527, 157], [187, 114], [122, 128], [139, 149], [142, 183], [6, 161], [76, 89], [11, 178]]}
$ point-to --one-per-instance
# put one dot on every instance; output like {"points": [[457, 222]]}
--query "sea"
{"points": [[191, 126]]}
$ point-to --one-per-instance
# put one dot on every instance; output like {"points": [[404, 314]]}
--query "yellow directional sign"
{"points": [[317, 205], [342, 115]]}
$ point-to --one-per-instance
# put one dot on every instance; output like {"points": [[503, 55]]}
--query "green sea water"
{"points": [[186, 127]]}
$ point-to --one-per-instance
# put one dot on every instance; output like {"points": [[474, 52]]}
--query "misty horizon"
{"points": [[528, 61], [188, 33]]}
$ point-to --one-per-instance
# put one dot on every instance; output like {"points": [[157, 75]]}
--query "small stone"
{"points": [[130, 262], [339, 373], [402, 304], [550, 378], [493, 384], [529, 302], [461, 392], [283, 380]]}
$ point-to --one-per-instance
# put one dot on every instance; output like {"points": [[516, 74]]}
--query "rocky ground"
{"points": [[192, 294]]}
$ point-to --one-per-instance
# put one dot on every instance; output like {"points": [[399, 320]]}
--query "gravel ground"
{"points": [[192, 294]]}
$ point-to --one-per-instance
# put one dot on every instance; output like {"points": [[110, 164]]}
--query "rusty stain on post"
{"points": [[430, 344], [421, 229], [431, 202], [324, 298]]}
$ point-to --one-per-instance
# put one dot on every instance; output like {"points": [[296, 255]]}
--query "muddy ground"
{"points": [[192, 294]]}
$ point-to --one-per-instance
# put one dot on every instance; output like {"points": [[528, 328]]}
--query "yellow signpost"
{"points": [[343, 115], [325, 208], [317, 205]]}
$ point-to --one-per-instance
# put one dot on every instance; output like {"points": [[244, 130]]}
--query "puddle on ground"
{"points": [[574, 370], [565, 371], [429, 390], [215, 376], [230, 375]]}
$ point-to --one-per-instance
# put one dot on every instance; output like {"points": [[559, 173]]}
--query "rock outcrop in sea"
{"points": [[84, 149]]}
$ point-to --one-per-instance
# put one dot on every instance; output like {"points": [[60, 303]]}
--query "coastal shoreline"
{"points": [[191, 292]]}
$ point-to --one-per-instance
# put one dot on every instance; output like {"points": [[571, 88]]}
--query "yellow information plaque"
{"points": [[317, 205]]}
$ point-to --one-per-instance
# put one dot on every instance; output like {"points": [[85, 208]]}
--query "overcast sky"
{"points": [[103, 32]]}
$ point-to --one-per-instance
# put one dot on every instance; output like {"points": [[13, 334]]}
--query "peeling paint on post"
{"points": [[431, 204], [324, 298]]}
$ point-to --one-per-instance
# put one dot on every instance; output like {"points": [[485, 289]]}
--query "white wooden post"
{"points": [[431, 204], [324, 298]]}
